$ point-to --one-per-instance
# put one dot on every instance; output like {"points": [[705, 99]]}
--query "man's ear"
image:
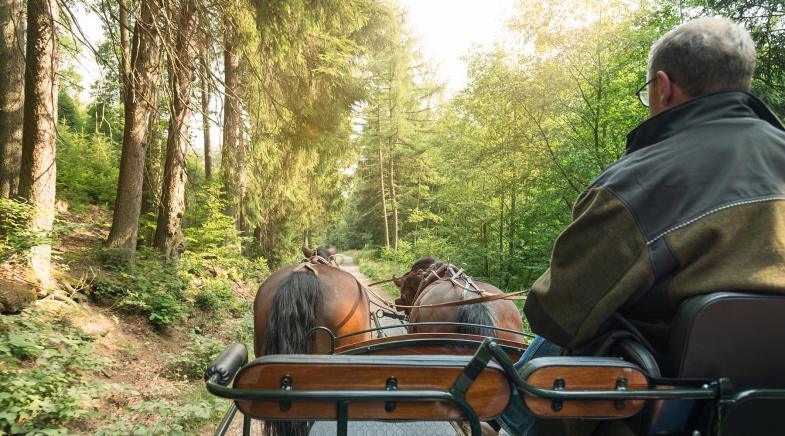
{"points": [[665, 90]]}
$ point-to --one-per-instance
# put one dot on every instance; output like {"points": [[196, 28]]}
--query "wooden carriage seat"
{"points": [[488, 395], [452, 344]]}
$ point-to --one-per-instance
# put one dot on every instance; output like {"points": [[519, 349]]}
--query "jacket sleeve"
{"points": [[599, 263]]}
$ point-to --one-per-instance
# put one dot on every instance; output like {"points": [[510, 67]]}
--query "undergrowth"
{"points": [[206, 277], [16, 236], [42, 375]]}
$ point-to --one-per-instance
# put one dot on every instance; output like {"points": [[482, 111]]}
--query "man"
{"points": [[696, 204]]}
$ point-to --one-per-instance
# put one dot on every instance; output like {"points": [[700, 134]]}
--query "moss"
{"points": [[15, 296]]}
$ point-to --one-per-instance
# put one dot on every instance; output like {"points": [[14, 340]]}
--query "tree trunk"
{"points": [[501, 239], [208, 162], [168, 231], [141, 102], [39, 138], [393, 203], [484, 231], [153, 160], [233, 152], [125, 48], [511, 239], [12, 88], [384, 200]]}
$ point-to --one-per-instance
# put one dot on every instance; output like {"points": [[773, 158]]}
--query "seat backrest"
{"points": [[740, 336], [328, 378]]}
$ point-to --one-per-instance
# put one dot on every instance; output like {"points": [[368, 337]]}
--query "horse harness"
{"points": [[433, 275]]}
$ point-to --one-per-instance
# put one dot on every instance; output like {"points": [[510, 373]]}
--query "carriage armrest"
{"points": [[582, 374], [225, 366]]}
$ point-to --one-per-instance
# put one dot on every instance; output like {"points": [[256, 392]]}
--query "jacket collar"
{"points": [[721, 105]]}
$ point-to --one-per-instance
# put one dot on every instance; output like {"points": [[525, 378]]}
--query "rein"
{"points": [[488, 297], [483, 296], [373, 295]]}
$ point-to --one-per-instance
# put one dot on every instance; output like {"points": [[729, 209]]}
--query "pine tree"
{"points": [[39, 137], [12, 71]]}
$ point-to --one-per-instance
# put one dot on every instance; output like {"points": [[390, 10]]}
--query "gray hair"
{"points": [[705, 55]]}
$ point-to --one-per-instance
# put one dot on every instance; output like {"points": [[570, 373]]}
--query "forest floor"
{"points": [[92, 366], [137, 378]]}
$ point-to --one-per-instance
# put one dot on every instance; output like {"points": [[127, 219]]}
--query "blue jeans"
{"points": [[516, 419]]}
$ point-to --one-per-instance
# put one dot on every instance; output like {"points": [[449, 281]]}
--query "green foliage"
{"points": [[150, 286], [42, 385], [214, 294], [402, 255], [490, 184], [164, 417], [68, 112], [191, 362], [87, 167], [213, 244], [16, 236]]}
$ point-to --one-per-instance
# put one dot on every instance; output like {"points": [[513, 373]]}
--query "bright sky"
{"points": [[448, 29]]}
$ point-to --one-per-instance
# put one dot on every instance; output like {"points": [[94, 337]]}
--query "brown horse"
{"points": [[428, 283], [293, 302]]}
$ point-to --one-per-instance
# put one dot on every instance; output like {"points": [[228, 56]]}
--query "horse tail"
{"points": [[292, 316], [476, 314]]}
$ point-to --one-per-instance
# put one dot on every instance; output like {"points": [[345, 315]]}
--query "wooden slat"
{"points": [[585, 378], [488, 396]]}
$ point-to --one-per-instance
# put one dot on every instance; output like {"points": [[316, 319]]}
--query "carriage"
{"points": [[723, 374]]}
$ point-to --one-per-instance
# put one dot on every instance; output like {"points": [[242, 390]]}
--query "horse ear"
{"points": [[332, 251], [308, 251], [398, 281]]}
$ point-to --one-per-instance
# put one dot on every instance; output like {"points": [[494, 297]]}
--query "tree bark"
{"points": [[39, 137], [125, 48], [12, 72], [168, 231], [393, 203], [153, 160], [141, 102], [208, 162], [233, 151], [384, 200]]}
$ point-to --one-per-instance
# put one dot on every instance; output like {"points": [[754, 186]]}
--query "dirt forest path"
{"points": [[348, 264]]}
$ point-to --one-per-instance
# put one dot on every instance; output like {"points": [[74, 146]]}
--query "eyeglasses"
{"points": [[643, 93]]}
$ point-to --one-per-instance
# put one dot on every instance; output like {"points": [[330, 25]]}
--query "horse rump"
{"points": [[476, 314]]}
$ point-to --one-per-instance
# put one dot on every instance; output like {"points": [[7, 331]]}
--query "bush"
{"points": [[41, 386], [214, 294], [191, 362], [16, 236], [150, 286], [87, 167], [403, 255], [213, 241]]}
